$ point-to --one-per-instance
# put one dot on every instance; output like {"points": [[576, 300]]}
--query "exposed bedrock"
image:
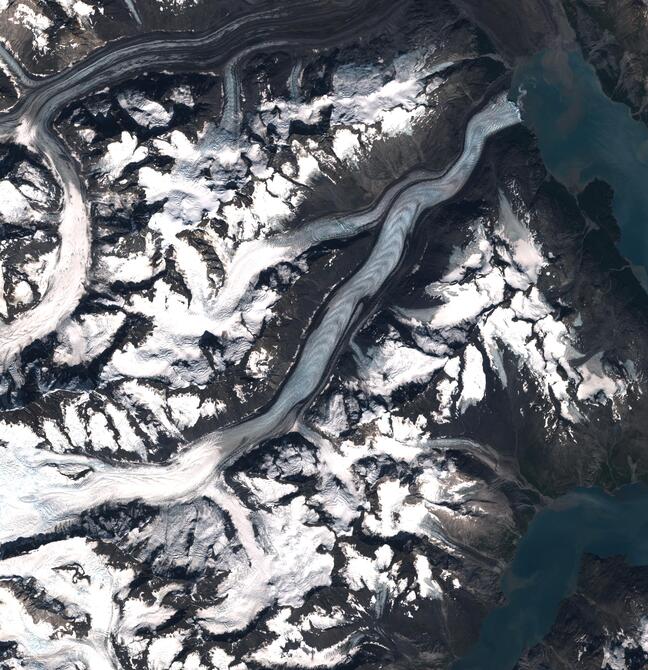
{"points": [[298, 335]]}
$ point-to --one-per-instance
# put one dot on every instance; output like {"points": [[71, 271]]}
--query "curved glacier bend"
{"points": [[40, 490], [30, 122]]}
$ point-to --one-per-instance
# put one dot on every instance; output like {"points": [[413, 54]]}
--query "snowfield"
{"points": [[228, 440]]}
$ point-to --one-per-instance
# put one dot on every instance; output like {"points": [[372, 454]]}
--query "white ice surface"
{"points": [[390, 365], [121, 154], [14, 206], [55, 567], [146, 113]]}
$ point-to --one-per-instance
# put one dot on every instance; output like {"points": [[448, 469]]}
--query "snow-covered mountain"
{"points": [[296, 335]]}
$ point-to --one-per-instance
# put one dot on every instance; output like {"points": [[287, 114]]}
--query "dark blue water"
{"points": [[583, 135], [545, 567]]}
